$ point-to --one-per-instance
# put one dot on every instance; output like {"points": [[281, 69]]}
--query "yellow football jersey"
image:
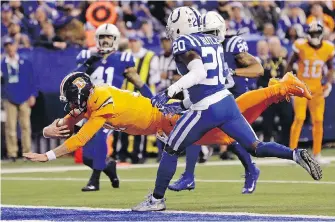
{"points": [[112, 108], [311, 62]]}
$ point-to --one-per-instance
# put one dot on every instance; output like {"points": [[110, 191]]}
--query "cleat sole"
{"points": [[314, 166]]}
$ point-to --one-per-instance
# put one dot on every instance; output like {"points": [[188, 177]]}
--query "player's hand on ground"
{"points": [[160, 99], [172, 108], [54, 131], [36, 157]]}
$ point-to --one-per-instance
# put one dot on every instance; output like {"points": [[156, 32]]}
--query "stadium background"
{"points": [[281, 189], [74, 23]]}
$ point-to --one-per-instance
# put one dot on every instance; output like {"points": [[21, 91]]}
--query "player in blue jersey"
{"points": [[199, 58], [242, 66], [110, 66]]}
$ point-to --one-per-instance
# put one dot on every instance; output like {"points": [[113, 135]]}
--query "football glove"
{"points": [[172, 108], [160, 99], [94, 58]]}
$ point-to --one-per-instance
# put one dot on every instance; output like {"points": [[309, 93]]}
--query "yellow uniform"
{"points": [[126, 111], [310, 65]]}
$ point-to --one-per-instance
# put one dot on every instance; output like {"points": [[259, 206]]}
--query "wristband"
{"points": [[51, 155]]}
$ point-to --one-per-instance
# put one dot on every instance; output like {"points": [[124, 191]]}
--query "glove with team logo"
{"points": [[172, 108]]}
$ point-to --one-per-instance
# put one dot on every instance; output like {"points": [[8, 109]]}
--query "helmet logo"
{"points": [[178, 15], [79, 82]]}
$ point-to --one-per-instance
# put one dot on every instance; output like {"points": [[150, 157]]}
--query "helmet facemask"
{"points": [[107, 43], [107, 37], [315, 38], [75, 91], [315, 34]]}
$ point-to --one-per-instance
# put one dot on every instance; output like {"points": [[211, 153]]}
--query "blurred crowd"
{"points": [[60, 24], [55, 24]]}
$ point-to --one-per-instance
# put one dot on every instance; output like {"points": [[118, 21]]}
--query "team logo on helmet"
{"points": [[79, 82]]}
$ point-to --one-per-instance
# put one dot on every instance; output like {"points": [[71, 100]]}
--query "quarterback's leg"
{"points": [[317, 107], [299, 106]]}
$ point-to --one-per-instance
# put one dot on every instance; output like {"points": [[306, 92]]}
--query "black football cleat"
{"points": [[115, 183], [90, 187]]}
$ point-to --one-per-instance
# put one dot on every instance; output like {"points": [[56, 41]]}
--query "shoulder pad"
{"points": [[83, 56], [329, 43], [236, 45], [127, 58], [185, 43], [100, 97], [298, 44]]}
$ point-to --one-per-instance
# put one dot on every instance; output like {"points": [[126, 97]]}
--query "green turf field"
{"points": [[282, 189]]}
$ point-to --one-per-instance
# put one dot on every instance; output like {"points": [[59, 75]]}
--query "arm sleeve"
{"points": [[196, 74], [90, 128], [83, 56]]}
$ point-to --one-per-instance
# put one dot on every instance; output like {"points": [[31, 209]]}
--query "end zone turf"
{"points": [[16, 212]]}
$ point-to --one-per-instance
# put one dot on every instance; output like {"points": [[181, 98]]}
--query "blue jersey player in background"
{"points": [[240, 64], [200, 61], [106, 66]]}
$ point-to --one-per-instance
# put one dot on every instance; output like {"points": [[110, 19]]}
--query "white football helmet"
{"points": [[107, 45], [213, 21], [183, 21]]}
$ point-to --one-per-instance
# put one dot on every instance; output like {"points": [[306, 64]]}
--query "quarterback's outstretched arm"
{"points": [[62, 128], [90, 128], [196, 74]]}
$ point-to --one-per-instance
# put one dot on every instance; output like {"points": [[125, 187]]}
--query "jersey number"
{"points": [[217, 56], [97, 76], [179, 46], [242, 46], [313, 70]]}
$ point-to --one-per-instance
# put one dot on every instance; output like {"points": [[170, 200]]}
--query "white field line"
{"points": [[175, 212], [152, 180], [143, 166]]}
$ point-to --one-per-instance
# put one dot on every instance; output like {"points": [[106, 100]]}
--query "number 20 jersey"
{"points": [[311, 62], [209, 48], [110, 68]]}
